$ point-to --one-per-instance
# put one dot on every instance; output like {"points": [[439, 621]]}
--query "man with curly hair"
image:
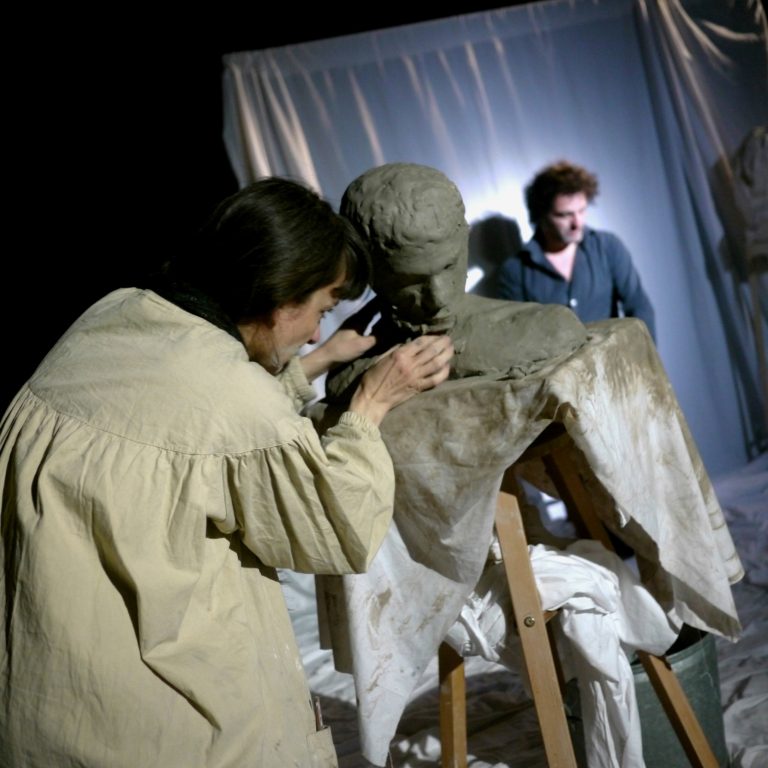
{"points": [[566, 262]]}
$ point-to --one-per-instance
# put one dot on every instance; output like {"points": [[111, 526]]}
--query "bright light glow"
{"points": [[474, 276]]}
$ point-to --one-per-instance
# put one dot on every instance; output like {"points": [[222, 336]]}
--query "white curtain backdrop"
{"points": [[655, 96]]}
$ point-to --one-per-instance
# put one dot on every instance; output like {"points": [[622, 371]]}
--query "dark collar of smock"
{"points": [[196, 302]]}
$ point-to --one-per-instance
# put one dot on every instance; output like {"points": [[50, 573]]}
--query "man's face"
{"points": [[564, 224], [422, 287]]}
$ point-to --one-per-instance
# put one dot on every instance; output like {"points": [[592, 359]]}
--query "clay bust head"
{"points": [[413, 218]]}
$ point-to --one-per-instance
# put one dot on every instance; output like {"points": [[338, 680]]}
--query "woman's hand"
{"points": [[345, 345], [400, 373]]}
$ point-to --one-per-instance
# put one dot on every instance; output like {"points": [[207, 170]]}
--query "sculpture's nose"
{"points": [[438, 292]]}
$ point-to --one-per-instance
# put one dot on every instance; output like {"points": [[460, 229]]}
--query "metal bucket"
{"points": [[693, 658]]}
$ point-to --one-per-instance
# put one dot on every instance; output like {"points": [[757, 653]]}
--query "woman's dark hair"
{"points": [[272, 243], [561, 178]]}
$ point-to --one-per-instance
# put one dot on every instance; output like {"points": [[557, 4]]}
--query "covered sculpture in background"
{"points": [[750, 167], [739, 187], [750, 182], [413, 219]]}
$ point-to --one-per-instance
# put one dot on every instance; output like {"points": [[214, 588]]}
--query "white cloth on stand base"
{"points": [[605, 614]]}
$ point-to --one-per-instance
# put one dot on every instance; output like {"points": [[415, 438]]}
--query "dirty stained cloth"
{"points": [[153, 479], [450, 448]]}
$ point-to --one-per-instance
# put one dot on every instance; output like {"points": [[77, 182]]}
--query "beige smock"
{"points": [[153, 479]]}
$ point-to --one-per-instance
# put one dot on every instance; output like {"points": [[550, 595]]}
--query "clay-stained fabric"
{"points": [[450, 447], [152, 480]]}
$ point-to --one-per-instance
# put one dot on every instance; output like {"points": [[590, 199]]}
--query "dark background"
{"points": [[115, 147]]}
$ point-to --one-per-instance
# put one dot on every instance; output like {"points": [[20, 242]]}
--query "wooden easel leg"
{"points": [[453, 708], [540, 662], [681, 715], [665, 683], [575, 497], [531, 627]]}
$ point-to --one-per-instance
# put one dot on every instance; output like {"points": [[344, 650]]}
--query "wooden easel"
{"points": [[531, 621]]}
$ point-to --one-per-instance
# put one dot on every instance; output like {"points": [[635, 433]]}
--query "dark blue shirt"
{"points": [[604, 282]]}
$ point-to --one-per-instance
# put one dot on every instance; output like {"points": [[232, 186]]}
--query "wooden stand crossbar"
{"points": [[537, 650]]}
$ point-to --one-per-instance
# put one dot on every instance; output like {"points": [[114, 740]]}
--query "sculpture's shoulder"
{"points": [[512, 338], [473, 306]]}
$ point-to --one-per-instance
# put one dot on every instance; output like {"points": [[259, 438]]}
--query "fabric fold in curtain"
{"points": [[654, 96]]}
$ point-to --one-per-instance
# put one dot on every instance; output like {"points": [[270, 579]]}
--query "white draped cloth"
{"points": [[604, 615]]}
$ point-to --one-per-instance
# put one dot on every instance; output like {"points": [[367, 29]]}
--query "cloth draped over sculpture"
{"points": [[450, 447]]}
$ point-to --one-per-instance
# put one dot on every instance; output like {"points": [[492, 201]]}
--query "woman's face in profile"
{"points": [[293, 325]]}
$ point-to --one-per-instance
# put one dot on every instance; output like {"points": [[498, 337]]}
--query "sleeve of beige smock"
{"points": [[330, 500]]}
